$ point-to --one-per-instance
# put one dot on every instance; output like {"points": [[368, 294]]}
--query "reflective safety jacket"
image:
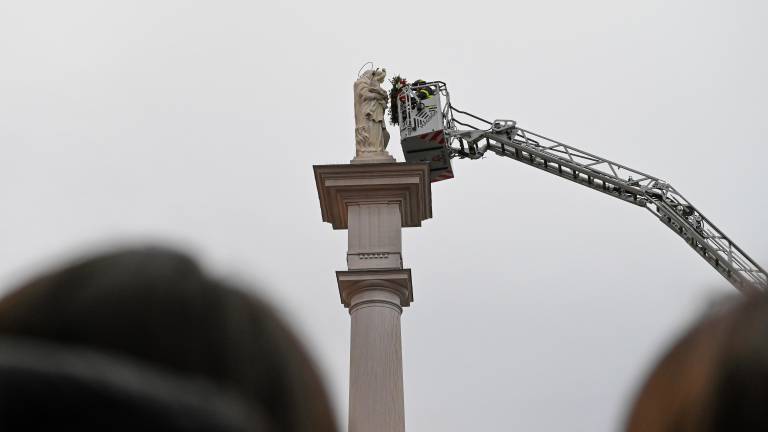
{"points": [[423, 92]]}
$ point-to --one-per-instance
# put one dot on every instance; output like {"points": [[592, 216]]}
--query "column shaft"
{"points": [[376, 363]]}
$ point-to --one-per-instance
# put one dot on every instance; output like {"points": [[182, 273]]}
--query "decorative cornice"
{"points": [[408, 184], [353, 282]]}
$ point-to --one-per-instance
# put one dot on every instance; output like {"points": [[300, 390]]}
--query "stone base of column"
{"points": [[373, 157]]}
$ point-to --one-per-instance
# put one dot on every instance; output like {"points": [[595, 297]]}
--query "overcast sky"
{"points": [[539, 304]]}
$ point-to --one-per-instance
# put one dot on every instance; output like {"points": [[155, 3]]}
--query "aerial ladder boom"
{"points": [[436, 134]]}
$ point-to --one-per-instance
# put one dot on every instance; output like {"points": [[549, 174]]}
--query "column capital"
{"points": [[353, 282], [407, 184]]}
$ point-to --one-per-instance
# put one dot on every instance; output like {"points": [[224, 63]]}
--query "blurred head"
{"points": [[715, 378], [157, 308]]}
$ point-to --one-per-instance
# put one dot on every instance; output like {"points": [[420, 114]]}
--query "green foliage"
{"points": [[397, 84]]}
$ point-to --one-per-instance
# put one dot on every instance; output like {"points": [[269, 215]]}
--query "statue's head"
{"points": [[376, 75], [379, 75]]}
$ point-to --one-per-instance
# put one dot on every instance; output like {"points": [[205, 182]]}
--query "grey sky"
{"points": [[539, 304]]}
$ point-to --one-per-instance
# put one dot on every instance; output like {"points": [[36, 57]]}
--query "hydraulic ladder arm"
{"points": [[504, 138], [430, 132]]}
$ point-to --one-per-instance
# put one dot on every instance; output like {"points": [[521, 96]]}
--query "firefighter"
{"points": [[423, 92]]}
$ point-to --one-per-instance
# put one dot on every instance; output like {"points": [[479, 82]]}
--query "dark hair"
{"points": [[157, 307], [715, 378]]}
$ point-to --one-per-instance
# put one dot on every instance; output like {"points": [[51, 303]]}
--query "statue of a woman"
{"points": [[371, 136]]}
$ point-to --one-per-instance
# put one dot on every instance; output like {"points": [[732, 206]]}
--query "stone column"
{"points": [[374, 201]]}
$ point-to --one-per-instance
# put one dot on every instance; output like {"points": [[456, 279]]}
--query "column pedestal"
{"points": [[374, 202]]}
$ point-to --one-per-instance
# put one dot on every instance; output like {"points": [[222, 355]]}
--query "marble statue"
{"points": [[371, 136]]}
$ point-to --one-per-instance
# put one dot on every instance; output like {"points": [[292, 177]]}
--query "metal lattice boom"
{"points": [[504, 138]]}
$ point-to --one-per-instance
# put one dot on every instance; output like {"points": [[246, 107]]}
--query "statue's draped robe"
{"points": [[371, 135]]}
